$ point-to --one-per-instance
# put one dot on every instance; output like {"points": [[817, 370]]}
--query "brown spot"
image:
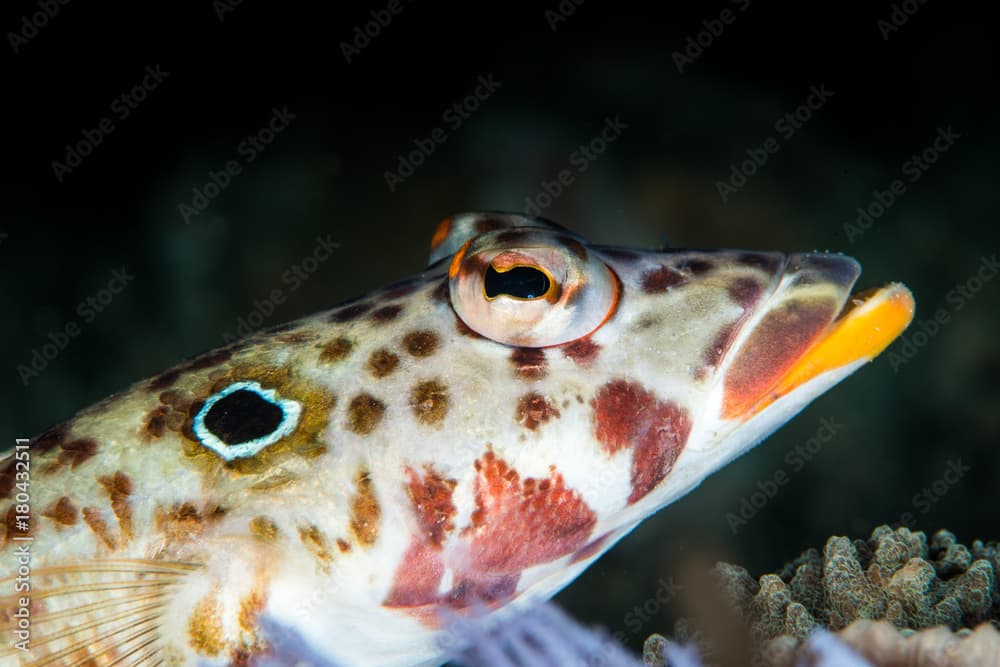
{"points": [[365, 510], [156, 421], [14, 527], [382, 362], [698, 267], [431, 497], [50, 439], [315, 541], [583, 351], [484, 225], [205, 633], [297, 337], [626, 415], [78, 451], [350, 312], [529, 363], [213, 358], [343, 545], [574, 246], [7, 477], [386, 313], [96, 523], [661, 279], [180, 523], [63, 512], [250, 608], [119, 487], [171, 398], [164, 380], [335, 350], [442, 292], [533, 410], [464, 330], [620, 254], [429, 401], [364, 413], [746, 291], [264, 529], [421, 343], [510, 237]]}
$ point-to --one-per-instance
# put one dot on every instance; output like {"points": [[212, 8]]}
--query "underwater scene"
{"points": [[350, 336]]}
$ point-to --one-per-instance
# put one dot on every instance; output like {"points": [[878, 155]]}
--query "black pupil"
{"points": [[243, 416], [523, 282]]}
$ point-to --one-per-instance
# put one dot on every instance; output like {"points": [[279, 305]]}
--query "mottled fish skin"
{"points": [[429, 466]]}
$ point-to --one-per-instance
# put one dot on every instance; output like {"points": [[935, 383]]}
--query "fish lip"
{"points": [[809, 324]]}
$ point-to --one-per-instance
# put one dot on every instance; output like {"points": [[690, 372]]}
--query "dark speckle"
{"points": [[382, 362], [78, 451], [164, 380], [620, 254], [484, 225], [386, 313], [429, 401], [529, 363], [208, 360], [442, 292], [583, 351], [51, 439], [510, 237], [534, 410], [335, 350], [698, 267], [351, 312], [156, 422], [421, 343], [364, 413], [463, 329], [402, 288], [574, 246], [745, 291], [661, 279]]}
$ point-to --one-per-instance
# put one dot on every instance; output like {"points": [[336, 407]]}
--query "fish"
{"points": [[469, 439]]}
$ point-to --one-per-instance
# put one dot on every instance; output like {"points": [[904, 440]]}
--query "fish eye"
{"points": [[530, 287], [519, 282], [244, 418]]}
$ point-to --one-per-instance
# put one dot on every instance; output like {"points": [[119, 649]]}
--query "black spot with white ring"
{"points": [[244, 418]]}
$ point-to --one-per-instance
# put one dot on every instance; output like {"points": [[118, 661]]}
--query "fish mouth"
{"points": [[811, 325]]}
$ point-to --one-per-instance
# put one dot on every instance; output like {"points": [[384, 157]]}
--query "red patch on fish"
{"points": [[780, 339], [431, 496], [583, 351], [518, 524], [417, 577], [627, 415]]}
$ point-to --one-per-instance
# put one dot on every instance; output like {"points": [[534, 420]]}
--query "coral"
{"points": [[894, 597]]}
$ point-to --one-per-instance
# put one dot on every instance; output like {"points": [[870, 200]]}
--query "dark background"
{"points": [[324, 174]]}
